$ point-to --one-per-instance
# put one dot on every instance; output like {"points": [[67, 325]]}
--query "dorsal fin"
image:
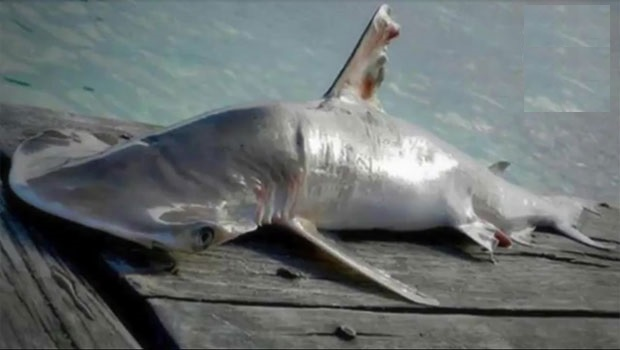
{"points": [[364, 71], [499, 167]]}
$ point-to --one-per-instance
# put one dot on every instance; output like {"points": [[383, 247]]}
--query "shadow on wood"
{"points": [[271, 289]]}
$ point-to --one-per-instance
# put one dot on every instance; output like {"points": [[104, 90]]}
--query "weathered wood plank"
{"points": [[18, 122], [574, 287], [572, 278], [26, 319], [43, 303], [242, 326], [247, 272], [524, 278]]}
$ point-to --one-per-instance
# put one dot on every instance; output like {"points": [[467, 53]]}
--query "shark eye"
{"points": [[203, 237]]}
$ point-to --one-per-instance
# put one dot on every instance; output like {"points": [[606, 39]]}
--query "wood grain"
{"points": [[519, 281], [206, 325], [270, 289], [43, 303]]}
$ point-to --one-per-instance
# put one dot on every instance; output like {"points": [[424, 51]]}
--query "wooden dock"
{"points": [[63, 286]]}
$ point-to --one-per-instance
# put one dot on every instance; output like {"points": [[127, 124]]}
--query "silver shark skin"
{"points": [[337, 163]]}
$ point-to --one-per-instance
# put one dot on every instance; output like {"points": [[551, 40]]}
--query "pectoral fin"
{"points": [[308, 230]]}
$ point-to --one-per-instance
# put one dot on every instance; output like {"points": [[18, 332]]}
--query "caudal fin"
{"points": [[576, 235], [571, 209]]}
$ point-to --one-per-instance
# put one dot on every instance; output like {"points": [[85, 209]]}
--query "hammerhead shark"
{"points": [[338, 162]]}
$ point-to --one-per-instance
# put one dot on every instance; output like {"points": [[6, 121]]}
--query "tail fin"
{"points": [[573, 233], [567, 223]]}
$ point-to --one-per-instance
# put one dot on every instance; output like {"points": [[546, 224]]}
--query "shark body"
{"points": [[339, 162]]}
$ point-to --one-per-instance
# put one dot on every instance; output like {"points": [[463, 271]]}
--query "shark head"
{"points": [[138, 191], [198, 183]]}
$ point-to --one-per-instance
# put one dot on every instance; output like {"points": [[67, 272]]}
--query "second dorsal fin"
{"points": [[498, 168], [364, 71]]}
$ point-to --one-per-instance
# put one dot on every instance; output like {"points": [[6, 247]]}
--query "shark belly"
{"points": [[369, 173]]}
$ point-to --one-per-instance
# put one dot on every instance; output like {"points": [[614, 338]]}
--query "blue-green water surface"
{"points": [[530, 84]]}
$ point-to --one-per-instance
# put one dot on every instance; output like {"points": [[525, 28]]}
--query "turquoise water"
{"points": [[502, 80]]}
